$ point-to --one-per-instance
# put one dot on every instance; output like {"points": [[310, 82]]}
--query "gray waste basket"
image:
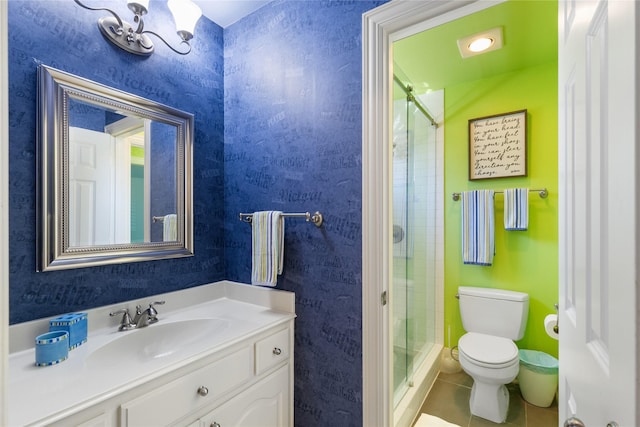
{"points": [[538, 377]]}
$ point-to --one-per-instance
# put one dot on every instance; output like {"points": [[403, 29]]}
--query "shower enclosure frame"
{"points": [[381, 27]]}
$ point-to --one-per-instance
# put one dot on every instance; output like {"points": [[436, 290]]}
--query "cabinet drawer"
{"points": [[180, 397], [272, 350]]}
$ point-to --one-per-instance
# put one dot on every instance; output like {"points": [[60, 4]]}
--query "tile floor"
{"points": [[449, 400]]}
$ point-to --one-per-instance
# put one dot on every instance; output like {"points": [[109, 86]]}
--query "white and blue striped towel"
{"points": [[516, 209], [170, 228], [267, 251], [478, 242]]}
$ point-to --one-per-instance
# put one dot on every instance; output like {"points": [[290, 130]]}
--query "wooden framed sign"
{"points": [[498, 146]]}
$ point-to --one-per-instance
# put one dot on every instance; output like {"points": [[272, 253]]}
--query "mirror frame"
{"points": [[55, 88]]}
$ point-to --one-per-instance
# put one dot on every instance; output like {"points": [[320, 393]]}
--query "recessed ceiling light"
{"points": [[483, 42], [478, 45]]}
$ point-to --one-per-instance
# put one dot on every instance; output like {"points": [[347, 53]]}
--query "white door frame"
{"points": [[380, 28], [4, 211]]}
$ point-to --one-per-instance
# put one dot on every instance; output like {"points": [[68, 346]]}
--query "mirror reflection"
{"points": [[115, 175], [122, 185]]}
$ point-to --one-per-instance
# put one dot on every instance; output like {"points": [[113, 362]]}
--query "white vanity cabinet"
{"points": [[251, 385], [185, 373]]}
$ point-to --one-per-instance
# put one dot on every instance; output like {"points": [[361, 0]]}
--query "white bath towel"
{"points": [[170, 228], [427, 420], [478, 241], [516, 209], [267, 247]]}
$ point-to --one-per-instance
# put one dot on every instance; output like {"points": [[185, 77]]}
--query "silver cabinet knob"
{"points": [[277, 351], [573, 422], [215, 424], [612, 424], [203, 391]]}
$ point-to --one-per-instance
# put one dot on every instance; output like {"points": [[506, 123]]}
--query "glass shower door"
{"points": [[413, 287]]}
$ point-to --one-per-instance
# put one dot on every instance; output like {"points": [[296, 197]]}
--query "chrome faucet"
{"points": [[146, 317], [140, 320]]}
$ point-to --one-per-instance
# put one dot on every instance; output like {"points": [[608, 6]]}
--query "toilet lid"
{"points": [[488, 349]]}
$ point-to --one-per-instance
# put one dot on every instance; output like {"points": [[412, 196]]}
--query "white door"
{"points": [[91, 188], [597, 93]]}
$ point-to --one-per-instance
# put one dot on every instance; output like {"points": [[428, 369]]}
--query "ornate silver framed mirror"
{"points": [[114, 175]]}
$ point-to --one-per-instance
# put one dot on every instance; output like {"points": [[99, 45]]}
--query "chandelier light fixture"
{"points": [[122, 34]]}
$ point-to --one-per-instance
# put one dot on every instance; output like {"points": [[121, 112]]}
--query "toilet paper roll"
{"points": [[549, 323]]}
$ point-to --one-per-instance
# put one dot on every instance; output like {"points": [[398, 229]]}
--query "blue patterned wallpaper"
{"points": [[63, 35], [293, 107]]}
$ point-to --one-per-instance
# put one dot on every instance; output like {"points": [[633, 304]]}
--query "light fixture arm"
{"points": [[115, 15], [184, 41], [135, 40], [138, 20]]}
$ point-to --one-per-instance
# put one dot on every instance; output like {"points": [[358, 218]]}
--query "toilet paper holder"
{"points": [[555, 328]]}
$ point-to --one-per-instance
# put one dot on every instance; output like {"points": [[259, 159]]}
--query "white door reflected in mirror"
{"points": [[91, 188]]}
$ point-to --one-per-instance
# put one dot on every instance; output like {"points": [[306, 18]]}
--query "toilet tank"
{"points": [[496, 312]]}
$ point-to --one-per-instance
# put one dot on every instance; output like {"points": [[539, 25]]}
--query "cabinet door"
{"points": [[266, 404]]}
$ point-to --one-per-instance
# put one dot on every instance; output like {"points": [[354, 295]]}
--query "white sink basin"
{"points": [[158, 341]]}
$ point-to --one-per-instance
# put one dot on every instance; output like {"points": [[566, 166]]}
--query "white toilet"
{"points": [[493, 319]]}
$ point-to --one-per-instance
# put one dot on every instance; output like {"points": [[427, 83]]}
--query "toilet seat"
{"points": [[488, 351]]}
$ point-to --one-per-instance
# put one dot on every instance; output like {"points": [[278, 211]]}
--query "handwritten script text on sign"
{"points": [[498, 146]]}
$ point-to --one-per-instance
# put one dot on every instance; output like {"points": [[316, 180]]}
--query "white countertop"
{"points": [[50, 393]]}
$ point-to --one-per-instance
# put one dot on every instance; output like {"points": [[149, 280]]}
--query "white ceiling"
{"points": [[226, 12]]}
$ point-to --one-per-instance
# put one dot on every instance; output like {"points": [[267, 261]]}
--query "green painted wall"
{"points": [[525, 261]]}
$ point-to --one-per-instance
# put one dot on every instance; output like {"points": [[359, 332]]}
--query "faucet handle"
{"points": [[152, 311], [126, 323]]}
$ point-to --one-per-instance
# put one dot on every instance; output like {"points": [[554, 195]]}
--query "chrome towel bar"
{"points": [[316, 218], [542, 192]]}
